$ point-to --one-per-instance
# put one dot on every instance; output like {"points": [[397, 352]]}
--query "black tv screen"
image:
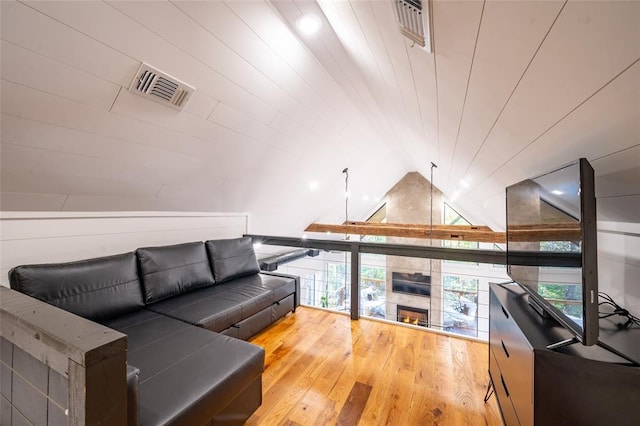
{"points": [[417, 283], [552, 245]]}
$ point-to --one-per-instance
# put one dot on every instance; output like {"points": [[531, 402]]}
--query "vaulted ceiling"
{"points": [[512, 89]]}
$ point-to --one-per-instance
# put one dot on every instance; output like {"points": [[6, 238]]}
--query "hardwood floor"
{"points": [[324, 369]]}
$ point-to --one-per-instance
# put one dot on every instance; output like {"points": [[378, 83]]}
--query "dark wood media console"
{"points": [[572, 385]]}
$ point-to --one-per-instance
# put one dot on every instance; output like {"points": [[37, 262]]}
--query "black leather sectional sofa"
{"points": [[184, 309]]}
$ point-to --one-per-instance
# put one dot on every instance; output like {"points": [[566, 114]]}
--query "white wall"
{"points": [[46, 237], [618, 213], [619, 263]]}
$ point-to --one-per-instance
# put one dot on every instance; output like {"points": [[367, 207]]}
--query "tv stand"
{"points": [[571, 384]]}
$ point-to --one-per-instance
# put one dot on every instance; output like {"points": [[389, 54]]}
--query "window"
{"points": [[566, 298], [380, 216], [334, 295], [460, 244], [372, 290], [497, 247], [452, 217], [373, 239], [460, 304]]}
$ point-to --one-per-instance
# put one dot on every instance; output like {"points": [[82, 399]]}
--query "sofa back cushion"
{"points": [[232, 258], [97, 289], [171, 270]]}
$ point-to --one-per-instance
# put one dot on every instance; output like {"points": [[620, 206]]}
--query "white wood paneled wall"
{"points": [[619, 263], [618, 214], [48, 237]]}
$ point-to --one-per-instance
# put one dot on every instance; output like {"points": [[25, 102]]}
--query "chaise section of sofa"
{"points": [[171, 302], [189, 376]]}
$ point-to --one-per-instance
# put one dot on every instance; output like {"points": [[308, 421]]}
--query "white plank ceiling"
{"points": [[512, 89]]}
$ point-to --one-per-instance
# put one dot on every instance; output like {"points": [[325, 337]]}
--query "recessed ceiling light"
{"points": [[464, 183], [309, 24], [365, 197], [557, 192], [313, 185]]}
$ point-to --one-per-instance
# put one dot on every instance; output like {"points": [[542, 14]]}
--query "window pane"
{"points": [[460, 304], [452, 217], [335, 294]]}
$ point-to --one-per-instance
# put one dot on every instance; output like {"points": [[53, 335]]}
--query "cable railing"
{"points": [[437, 288]]}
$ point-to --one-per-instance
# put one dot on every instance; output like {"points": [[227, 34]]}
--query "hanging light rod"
{"points": [[433, 166], [346, 199]]}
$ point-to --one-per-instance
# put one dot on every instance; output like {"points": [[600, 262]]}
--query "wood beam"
{"points": [[545, 232], [520, 233], [425, 226], [438, 232]]}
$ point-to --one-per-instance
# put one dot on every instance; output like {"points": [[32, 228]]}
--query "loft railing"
{"points": [[359, 291]]}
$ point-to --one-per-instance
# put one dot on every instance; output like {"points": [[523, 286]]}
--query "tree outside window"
{"points": [[335, 293], [460, 304]]}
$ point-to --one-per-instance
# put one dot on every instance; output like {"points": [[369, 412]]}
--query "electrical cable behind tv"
{"points": [[632, 320]]}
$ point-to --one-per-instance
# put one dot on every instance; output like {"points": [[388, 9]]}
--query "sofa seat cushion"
{"points": [[170, 270], [282, 286], [96, 289], [203, 307], [223, 305], [187, 374]]}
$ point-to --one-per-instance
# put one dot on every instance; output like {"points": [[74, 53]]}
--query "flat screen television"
{"points": [[417, 283], [552, 246]]}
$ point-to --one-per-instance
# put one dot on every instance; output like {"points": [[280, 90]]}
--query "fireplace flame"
{"points": [[409, 320]]}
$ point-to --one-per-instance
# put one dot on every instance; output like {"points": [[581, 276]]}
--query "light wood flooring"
{"points": [[322, 368]]}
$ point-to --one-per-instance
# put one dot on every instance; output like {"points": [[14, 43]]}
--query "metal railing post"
{"points": [[355, 281]]}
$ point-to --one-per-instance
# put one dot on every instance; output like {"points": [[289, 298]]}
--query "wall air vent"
{"points": [[414, 22], [156, 85]]}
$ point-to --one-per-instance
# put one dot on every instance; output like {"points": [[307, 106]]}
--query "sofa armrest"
{"points": [[133, 395], [294, 277], [271, 263], [90, 355]]}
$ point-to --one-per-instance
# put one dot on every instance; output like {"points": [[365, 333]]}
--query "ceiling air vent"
{"points": [[413, 19], [156, 85]]}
